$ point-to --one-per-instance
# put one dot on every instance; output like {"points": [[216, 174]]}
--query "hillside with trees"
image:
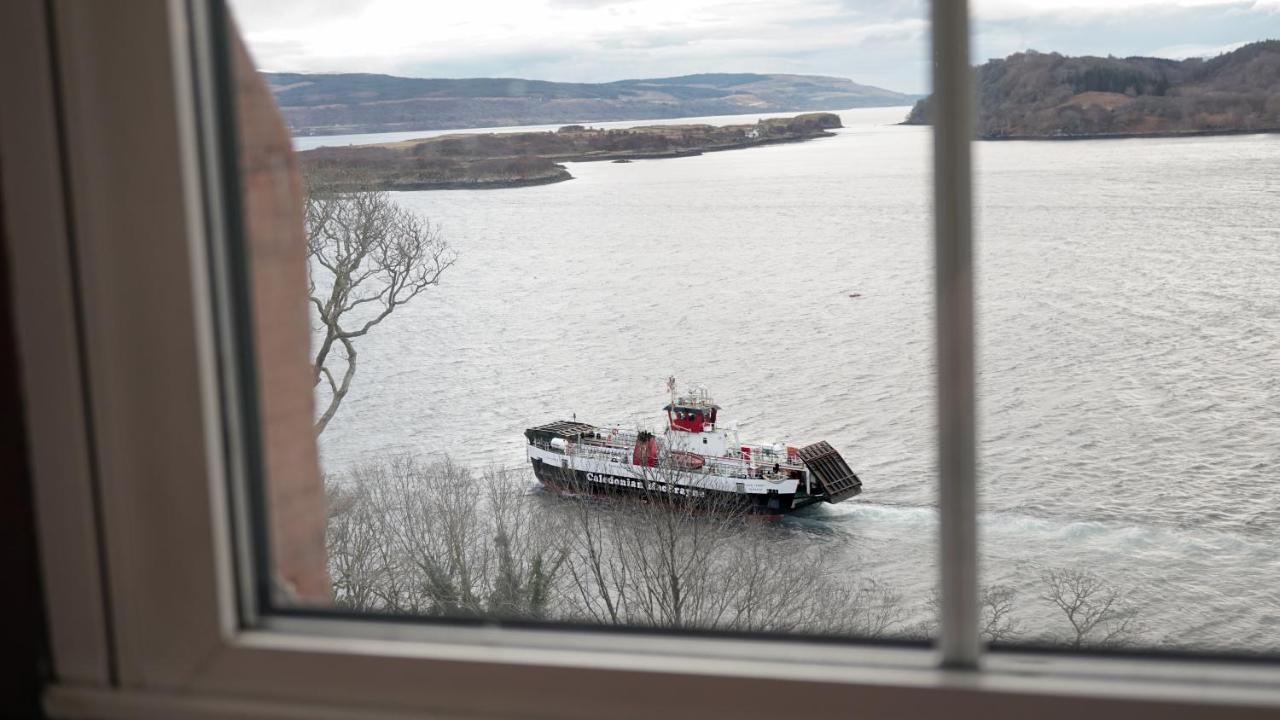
{"points": [[361, 103], [1048, 95]]}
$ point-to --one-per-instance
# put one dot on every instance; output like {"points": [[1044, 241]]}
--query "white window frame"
{"points": [[102, 171]]}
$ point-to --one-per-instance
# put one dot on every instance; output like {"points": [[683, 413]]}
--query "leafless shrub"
{"points": [[437, 539], [353, 537], [667, 564], [689, 563], [529, 550], [655, 557], [998, 623], [995, 605], [1097, 612]]}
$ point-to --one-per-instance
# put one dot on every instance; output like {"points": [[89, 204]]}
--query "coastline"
{"points": [[1133, 136], [700, 151], [551, 180], [481, 184], [509, 160], [1121, 136]]}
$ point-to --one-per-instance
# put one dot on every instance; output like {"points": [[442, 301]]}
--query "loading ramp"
{"points": [[829, 470]]}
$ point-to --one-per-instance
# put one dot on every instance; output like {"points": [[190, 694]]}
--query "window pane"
{"points": [[1128, 328], [645, 390]]}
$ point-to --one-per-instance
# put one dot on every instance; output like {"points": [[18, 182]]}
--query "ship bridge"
{"points": [[694, 411], [691, 425]]}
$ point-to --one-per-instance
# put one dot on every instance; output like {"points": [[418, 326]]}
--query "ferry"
{"points": [[693, 458]]}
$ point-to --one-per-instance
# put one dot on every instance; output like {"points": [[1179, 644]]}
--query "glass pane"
{"points": [[1129, 337], [569, 364]]}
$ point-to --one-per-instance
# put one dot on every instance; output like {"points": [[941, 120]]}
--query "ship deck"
{"points": [[616, 445]]}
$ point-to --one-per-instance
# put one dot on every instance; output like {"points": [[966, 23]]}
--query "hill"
{"points": [[354, 103], [1047, 95]]}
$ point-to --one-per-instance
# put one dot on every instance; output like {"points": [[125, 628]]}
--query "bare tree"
{"points": [[530, 549], [599, 578], [352, 538], [442, 533], [998, 623], [367, 566], [1098, 613], [649, 559], [368, 256], [437, 539], [676, 556], [996, 604], [855, 606]]}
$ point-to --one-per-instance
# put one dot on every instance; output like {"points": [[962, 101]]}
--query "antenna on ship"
{"points": [[671, 388]]}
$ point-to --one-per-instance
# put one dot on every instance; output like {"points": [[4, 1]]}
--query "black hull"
{"points": [[581, 481]]}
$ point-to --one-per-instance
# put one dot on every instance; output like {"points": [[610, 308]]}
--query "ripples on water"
{"points": [[1129, 369]]}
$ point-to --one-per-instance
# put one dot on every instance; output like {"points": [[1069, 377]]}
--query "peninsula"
{"points": [[495, 160], [1035, 95]]}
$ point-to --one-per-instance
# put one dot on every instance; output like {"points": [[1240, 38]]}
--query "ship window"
{"points": [[195, 558]]}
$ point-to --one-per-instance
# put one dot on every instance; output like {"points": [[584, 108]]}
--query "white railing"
{"points": [[618, 447], [724, 466]]}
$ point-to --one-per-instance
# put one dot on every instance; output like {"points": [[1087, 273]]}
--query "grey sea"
{"points": [[1129, 348]]}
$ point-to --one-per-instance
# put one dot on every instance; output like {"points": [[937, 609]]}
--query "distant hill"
{"points": [[1039, 95], [351, 103]]}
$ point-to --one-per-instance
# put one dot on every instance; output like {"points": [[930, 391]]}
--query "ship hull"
{"points": [[574, 480]]}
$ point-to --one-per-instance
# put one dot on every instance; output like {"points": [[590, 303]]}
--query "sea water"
{"points": [[1128, 348]]}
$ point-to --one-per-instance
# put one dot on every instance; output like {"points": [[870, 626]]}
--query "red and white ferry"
{"points": [[692, 458]]}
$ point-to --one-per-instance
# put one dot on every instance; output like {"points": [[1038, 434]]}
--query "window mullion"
{"points": [[953, 216]]}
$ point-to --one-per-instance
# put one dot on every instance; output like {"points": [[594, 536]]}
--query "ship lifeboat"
{"points": [[687, 460]]}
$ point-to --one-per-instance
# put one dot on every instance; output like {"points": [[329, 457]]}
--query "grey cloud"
{"points": [[263, 14], [590, 4], [879, 42]]}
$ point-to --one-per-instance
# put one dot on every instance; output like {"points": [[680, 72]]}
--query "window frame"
{"points": [[129, 436]]}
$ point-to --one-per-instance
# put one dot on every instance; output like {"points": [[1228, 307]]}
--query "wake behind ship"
{"points": [[692, 458]]}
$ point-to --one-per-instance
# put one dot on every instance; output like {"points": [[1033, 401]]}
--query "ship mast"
{"points": [[671, 388]]}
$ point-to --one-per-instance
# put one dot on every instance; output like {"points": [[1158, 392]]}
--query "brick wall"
{"points": [[277, 249]]}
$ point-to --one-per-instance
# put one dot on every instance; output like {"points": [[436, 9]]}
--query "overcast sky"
{"points": [[878, 42]]}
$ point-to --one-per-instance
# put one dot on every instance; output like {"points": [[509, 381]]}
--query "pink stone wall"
{"points": [[277, 246]]}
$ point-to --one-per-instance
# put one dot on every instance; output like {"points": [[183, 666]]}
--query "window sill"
{"points": [[387, 671]]}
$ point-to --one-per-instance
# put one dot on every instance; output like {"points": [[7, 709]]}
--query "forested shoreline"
{"points": [[1034, 95]]}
